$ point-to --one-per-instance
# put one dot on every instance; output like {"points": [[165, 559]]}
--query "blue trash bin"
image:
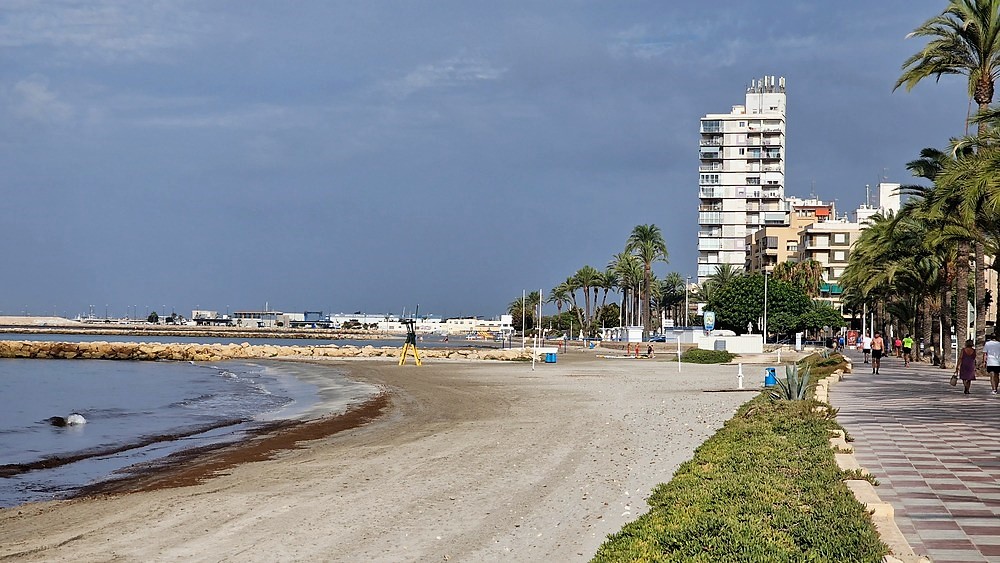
{"points": [[550, 357], [769, 379]]}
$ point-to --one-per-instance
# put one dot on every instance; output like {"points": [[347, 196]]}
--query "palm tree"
{"points": [[806, 275], [646, 242], [964, 39], [628, 273], [725, 273], [587, 279], [534, 299], [609, 283], [559, 295], [672, 294], [518, 309]]}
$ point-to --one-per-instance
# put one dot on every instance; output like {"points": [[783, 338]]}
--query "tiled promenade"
{"points": [[934, 451]]}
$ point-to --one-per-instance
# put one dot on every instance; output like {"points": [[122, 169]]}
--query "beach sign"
{"points": [[709, 321]]}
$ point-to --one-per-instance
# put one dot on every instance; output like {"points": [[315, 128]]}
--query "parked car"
{"points": [[658, 338]]}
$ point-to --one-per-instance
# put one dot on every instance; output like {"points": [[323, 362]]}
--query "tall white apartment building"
{"points": [[741, 175]]}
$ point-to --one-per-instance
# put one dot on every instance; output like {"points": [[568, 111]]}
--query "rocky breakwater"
{"points": [[218, 352]]}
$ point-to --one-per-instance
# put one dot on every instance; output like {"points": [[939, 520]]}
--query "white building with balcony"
{"points": [[741, 175]]}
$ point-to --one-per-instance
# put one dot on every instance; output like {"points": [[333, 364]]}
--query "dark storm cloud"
{"points": [[351, 156]]}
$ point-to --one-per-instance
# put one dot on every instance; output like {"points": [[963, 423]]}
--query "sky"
{"points": [[370, 156]]}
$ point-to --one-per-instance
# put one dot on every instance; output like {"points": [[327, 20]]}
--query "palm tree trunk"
{"points": [[636, 306], [960, 294], [930, 336], [943, 347], [923, 329], [980, 254], [647, 314], [996, 302], [597, 293]]}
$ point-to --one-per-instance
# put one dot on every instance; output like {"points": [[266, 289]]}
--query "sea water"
{"points": [[137, 412]]}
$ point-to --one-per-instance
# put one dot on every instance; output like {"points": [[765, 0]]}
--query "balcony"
{"points": [[771, 155], [711, 127], [713, 167], [712, 142], [710, 218], [711, 154], [775, 218], [709, 244]]}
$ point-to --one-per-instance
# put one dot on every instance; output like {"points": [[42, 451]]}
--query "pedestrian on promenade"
{"points": [[991, 353], [907, 350], [878, 349], [966, 367], [897, 346], [866, 346], [840, 342]]}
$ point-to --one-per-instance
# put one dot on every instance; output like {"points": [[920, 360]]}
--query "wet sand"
{"points": [[454, 461]]}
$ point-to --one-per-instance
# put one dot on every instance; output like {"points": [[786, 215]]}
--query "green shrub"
{"points": [[698, 356], [821, 367], [764, 488]]}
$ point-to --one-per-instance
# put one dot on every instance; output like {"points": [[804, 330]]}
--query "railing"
{"points": [[709, 218]]}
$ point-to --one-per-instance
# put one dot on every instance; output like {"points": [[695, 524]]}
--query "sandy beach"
{"points": [[457, 460]]}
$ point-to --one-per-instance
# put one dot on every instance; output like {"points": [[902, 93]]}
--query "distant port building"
{"points": [[382, 322]]}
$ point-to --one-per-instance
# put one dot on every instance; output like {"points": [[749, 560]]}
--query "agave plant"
{"points": [[795, 385]]}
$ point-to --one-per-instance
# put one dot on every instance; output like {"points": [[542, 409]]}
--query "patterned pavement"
{"points": [[934, 451]]}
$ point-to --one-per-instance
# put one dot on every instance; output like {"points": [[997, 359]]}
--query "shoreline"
{"points": [[197, 465], [456, 459]]}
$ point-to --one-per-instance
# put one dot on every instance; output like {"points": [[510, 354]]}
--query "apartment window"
{"points": [[792, 247], [710, 179], [839, 256], [840, 238], [743, 124], [742, 151], [753, 180]]}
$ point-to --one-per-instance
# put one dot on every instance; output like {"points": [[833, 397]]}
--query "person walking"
{"points": [[907, 350], [878, 350], [840, 342], [991, 354], [966, 366], [866, 346], [897, 347]]}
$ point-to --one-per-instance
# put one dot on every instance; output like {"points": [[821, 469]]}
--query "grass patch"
{"points": [[765, 487]]}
